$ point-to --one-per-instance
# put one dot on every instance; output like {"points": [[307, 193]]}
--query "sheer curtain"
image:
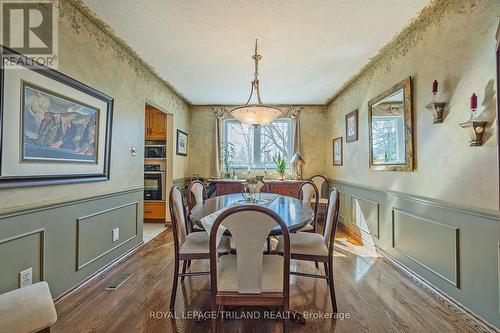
{"points": [[294, 114], [220, 114]]}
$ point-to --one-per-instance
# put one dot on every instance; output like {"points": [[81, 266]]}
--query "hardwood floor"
{"points": [[371, 294]]}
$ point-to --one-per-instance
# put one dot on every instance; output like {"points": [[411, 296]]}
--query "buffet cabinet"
{"points": [[283, 187]]}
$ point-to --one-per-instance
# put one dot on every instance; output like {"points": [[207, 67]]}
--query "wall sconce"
{"points": [[436, 107], [133, 151], [476, 127]]}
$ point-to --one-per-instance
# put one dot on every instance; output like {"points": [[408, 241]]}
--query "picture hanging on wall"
{"points": [[54, 129], [182, 143], [337, 151], [351, 126]]}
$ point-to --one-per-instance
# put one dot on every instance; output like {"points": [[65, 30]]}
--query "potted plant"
{"points": [[226, 154], [280, 165]]}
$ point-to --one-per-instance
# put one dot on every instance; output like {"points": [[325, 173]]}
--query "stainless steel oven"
{"points": [[154, 185]]}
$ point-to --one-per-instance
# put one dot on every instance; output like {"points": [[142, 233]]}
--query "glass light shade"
{"points": [[256, 114]]}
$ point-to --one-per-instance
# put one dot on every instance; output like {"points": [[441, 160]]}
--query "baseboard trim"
{"points": [[478, 323], [67, 294]]}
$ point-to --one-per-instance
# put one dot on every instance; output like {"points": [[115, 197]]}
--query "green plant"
{"points": [[280, 163], [226, 154]]}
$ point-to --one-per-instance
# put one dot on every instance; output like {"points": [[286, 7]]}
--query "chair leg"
{"points": [[184, 266], [213, 319], [332, 288], [174, 286], [268, 244], [325, 265], [316, 264], [189, 264]]}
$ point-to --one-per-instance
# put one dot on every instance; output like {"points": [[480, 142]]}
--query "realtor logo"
{"points": [[30, 28]]}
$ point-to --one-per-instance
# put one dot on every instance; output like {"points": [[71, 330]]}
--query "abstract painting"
{"points": [[56, 128]]}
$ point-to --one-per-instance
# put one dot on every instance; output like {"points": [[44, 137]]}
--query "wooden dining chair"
{"points": [[197, 192], [308, 192], [318, 248], [321, 184], [250, 277], [187, 246]]}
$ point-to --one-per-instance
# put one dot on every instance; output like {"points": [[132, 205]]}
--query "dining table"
{"points": [[294, 213]]}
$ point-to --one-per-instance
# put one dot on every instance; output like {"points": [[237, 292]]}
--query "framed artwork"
{"points": [[351, 126], [182, 143], [337, 151], [53, 129]]}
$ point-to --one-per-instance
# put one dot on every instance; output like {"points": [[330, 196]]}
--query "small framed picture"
{"points": [[337, 151], [182, 143], [351, 126]]}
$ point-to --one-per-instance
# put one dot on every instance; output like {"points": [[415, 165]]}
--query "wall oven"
{"points": [[154, 185]]}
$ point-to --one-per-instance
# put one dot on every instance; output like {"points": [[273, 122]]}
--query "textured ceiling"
{"points": [[309, 47]]}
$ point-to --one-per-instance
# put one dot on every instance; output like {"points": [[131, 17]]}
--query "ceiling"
{"points": [[309, 47]]}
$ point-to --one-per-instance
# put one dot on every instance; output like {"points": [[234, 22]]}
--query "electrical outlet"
{"points": [[116, 234], [26, 277]]}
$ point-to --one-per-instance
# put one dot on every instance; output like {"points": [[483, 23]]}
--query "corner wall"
{"points": [[64, 232], [440, 221]]}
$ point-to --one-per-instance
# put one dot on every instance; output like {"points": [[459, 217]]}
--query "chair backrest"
{"points": [[196, 193], [322, 184], [307, 192], [249, 227], [332, 219], [177, 216]]}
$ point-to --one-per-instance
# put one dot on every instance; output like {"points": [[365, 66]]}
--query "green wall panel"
{"points": [[73, 241]]}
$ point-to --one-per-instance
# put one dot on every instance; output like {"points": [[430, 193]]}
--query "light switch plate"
{"points": [[26, 277], [116, 234]]}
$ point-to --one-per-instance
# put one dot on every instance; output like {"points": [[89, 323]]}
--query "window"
{"points": [[255, 147]]}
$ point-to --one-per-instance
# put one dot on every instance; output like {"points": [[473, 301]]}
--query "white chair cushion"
{"points": [[272, 273], [305, 243], [197, 242], [28, 309]]}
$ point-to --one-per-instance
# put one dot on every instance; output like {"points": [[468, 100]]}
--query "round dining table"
{"points": [[295, 213]]}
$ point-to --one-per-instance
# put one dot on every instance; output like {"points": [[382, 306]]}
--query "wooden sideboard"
{"points": [[284, 187]]}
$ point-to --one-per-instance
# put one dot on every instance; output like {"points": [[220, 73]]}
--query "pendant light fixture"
{"points": [[256, 114]]}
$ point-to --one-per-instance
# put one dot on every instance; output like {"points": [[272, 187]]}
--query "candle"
{"points": [[434, 87], [473, 102]]}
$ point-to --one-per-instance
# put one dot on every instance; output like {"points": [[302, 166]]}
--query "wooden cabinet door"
{"points": [[157, 125], [154, 210]]}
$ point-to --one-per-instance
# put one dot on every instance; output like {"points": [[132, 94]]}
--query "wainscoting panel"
{"points": [[94, 239], [365, 216], [451, 247], [29, 251], [431, 244], [65, 243]]}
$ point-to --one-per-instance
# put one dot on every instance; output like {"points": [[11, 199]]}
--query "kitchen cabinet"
{"points": [[155, 124]]}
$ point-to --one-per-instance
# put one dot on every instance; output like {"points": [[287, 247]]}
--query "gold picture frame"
{"points": [[389, 164]]}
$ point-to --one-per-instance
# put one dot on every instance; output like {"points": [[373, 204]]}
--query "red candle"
{"points": [[473, 102], [435, 87]]}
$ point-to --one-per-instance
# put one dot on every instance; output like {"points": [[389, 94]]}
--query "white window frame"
{"points": [[256, 154]]}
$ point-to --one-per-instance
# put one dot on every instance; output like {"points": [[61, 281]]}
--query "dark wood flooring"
{"points": [[373, 294]]}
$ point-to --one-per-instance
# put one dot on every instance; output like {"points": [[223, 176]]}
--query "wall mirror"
{"points": [[390, 129]]}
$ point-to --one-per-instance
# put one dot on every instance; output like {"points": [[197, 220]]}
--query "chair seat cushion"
{"points": [[271, 279], [197, 242], [305, 243], [28, 309]]}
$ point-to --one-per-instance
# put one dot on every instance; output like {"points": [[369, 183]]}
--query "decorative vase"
{"points": [[282, 175]]}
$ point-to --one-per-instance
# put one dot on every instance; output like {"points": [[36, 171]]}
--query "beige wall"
{"points": [[457, 48], [90, 56], [201, 129]]}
